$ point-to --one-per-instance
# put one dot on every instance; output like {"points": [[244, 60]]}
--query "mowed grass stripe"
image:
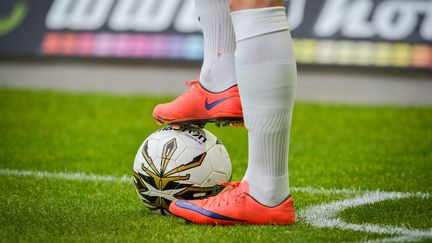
{"points": [[128, 179], [357, 148], [322, 216], [39, 209]]}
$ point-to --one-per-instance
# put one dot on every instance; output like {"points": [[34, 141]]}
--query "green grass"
{"points": [[332, 146], [409, 213]]}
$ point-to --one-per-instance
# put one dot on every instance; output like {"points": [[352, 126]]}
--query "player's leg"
{"points": [[266, 75], [218, 70], [252, 4], [215, 97]]}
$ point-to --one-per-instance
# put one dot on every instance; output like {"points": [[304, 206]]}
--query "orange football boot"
{"points": [[233, 206], [198, 106]]}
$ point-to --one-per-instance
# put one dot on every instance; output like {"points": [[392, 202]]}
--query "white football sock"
{"points": [[218, 71], [267, 77]]}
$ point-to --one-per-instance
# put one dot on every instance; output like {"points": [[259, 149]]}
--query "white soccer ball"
{"points": [[186, 163]]}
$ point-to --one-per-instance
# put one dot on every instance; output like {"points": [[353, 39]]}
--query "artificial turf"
{"points": [[332, 146]]}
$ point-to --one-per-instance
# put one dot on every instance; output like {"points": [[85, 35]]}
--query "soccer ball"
{"points": [[186, 163]]}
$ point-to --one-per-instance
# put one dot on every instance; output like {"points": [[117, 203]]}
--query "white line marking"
{"points": [[321, 216], [64, 175], [75, 176], [326, 215]]}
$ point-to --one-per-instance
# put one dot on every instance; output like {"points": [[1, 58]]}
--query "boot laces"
{"points": [[192, 84], [231, 192]]}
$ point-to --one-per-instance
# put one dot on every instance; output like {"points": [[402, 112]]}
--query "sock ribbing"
{"points": [[218, 70], [215, 18], [268, 143], [267, 76], [250, 24]]}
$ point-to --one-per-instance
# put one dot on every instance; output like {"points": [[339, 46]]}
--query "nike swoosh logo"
{"points": [[210, 106], [187, 205]]}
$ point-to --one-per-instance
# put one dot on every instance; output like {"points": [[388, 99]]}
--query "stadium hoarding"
{"points": [[382, 33]]}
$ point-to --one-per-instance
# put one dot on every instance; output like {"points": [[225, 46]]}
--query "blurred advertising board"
{"points": [[371, 33]]}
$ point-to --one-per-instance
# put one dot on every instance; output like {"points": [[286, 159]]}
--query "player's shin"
{"points": [[266, 75]]}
